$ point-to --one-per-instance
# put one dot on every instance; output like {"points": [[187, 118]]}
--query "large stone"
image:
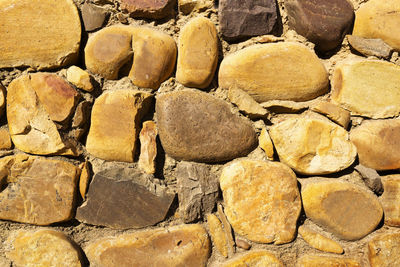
{"points": [[152, 9], [319, 241], [347, 210], [115, 122], [325, 23], [318, 261], [390, 199], [46, 39], [241, 19], [37, 190], [312, 145], [196, 126], [262, 201], [197, 53], [356, 87], [253, 259], [148, 147], [183, 245], [272, 72], [384, 250], [122, 199], [370, 47], [217, 234]]}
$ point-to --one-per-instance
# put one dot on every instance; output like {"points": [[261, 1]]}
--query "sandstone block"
{"points": [[155, 9], [148, 147], [318, 261], [319, 241], [390, 199], [247, 104], [79, 78], [254, 258], [188, 6], [384, 250], [5, 139], [93, 16], [333, 112], [217, 234], [370, 47]]}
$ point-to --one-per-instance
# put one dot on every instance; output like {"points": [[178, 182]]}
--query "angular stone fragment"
{"points": [[318, 241], [5, 140], [93, 16], [182, 245], [217, 234], [384, 250], [348, 211], [371, 178], [262, 201], [271, 72], [247, 104], [195, 126], [284, 106], [84, 179], [370, 47], [115, 122], [188, 6], [79, 78], [266, 144], [37, 190], [227, 230], [82, 114], [333, 112], [254, 258], [46, 39], [154, 9], [123, 198], [318, 261], [356, 87], [148, 147], [390, 199]]}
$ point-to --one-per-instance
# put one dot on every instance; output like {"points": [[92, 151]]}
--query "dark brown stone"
{"points": [[152, 9], [93, 16], [195, 126]]}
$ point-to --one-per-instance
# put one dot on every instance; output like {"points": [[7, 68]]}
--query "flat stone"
{"points": [[247, 104], [245, 18], [313, 260], [312, 145], [333, 112], [384, 250], [254, 258], [5, 139], [46, 39], [195, 126], [37, 190], [182, 245], [197, 190], [371, 178], [286, 106], [262, 201], [93, 16], [84, 179], [390, 199], [370, 47], [148, 147], [271, 72], [115, 139], [319, 241], [122, 199], [189, 6], [79, 78], [217, 234], [82, 114], [344, 209], [227, 230], [265, 143], [325, 23], [355, 89], [154, 9]]}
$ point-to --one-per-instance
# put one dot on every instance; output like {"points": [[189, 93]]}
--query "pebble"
{"points": [[265, 143], [390, 199], [370, 178], [155, 9], [148, 147], [5, 139], [333, 112], [253, 258], [191, 6], [370, 47], [316, 261], [384, 250], [93, 16], [79, 78], [243, 244], [84, 178], [217, 234], [319, 241], [247, 104]]}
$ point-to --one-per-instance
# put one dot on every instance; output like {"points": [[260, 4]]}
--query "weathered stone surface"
{"points": [[196, 126], [325, 23], [285, 106], [43, 248], [197, 190], [384, 250], [46, 39], [148, 147], [5, 140], [262, 201], [188, 6], [333, 112], [79, 78], [318, 241], [241, 19], [93, 16], [227, 230], [123, 198], [370, 47], [217, 234], [84, 179], [371, 178], [81, 116], [312, 145], [265, 143], [318, 261], [37, 190], [254, 258], [152, 9], [247, 104], [390, 199], [347, 210], [115, 122], [243, 244], [356, 89], [183, 245], [271, 71]]}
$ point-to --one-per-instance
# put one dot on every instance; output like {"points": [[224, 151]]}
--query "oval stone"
{"points": [[253, 259]]}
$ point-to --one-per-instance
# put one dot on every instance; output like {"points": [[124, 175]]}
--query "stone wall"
{"points": [[199, 133]]}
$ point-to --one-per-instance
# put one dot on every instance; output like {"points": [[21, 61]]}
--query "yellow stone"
{"points": [[84, 179], [79, 78], [247, 104], [5, 140], [2, 99], [227, 230], [148, 147], [324, 261], [188, 6], [265, 143], [384, 250], [333, 112], [217, 234], [318, 241], [254, 258], [390, 199]]}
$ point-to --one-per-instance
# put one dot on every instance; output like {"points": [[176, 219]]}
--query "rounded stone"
{"points": [[253, 259], [152, 9]]}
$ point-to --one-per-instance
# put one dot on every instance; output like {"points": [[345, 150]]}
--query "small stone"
{"points": [[182, 245], [254, 258], [148, 147], [217, 234], [43, 248], [269, 72], [155, 9], [262, 201], [384, 250], [247, 104], [79, 78], [3, 93], [370, 47], [319, 242], [81, 116], [390, 199], [371, 178], [195, 126], [284, 106], [315, 261], [93, 16], [265, 143], [344, 209], [333, 112], [189, 6], [84, 179], [227, 230], [243, 244], [5, 140]]}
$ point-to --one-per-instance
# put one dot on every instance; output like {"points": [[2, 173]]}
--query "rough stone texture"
{"points": [[247, 104], [262, 201], [188, 6], [84, 179], [93, 16], [115, 139], [197, 53], [217, 234], [370, 47], [319, 241], [245, 18], [347, 210], [325, 23], [37, 190], [54, 33], [148, 147], [195, 126], [253, 259], [333, 112], [371, 178], [5, 140], [284, 106], [79, 78], [271, 72], [390, 199], [367, 87], [227, 230], [43, 248], [312, 145], [318, 261], [182, 245], [384, 250], [197, 190], [265, 143], [116, 199], [81, 116], [152, 9]]}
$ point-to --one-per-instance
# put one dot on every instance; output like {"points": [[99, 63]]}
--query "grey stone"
{"points": [[93, 16], [370, 47], [371, 178]]}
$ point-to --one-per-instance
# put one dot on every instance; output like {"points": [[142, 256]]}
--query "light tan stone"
{"points": [[333, 112], [2, 99], [79, 78], [247, 104], [43, 248], [5, 139], [265, 143], [189, 6], [254, 258], [148, 147], [84, 179], [384, 250], [272, 71], [324, 261], [217, 234], [227, 230], [46, 39], [240, 243], [285, 106], [390, 199], [370, 47], [319, 241], [262, 201]]}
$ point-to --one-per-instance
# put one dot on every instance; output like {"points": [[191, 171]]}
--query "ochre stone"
{"points": [[79, 78], [5, 139], [3, 93], [266, 144], [384, 250], [247, 104], [333, 112], [319, 241], [148, 147], [390, 199], [227, 230], [254, 258], [188, 6], [217, 234], [319, 261], [84, 179], [152, 9]]}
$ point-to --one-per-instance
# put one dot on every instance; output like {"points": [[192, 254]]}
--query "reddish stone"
{"points": [[152, 9]]}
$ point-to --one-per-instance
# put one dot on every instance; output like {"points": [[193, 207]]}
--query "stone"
{"points": [[37, 190], [81, 116], [84, 179], [43, 247], [383, 250], [333, 112], [325, 23], [79, 78], [254, 258], [197, 190], [3, 93], [390, 199], [111, 139], [312, 146], [197, 53], [189, 6], [265, 143], [319, 241], [182, 245], [370, 47], [371, 178], [247, 104], [93, 16], [41, 40], [355, 89], [379, 19], [316, 261], [122, 199], [241, 19], [285, 106], [217, 234], [271, 72], [342, 208], [195, 126], [155, 9], [261, 199], [5, 139], [148, 147], [227, 230], [243, 244], [377, 143]]}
